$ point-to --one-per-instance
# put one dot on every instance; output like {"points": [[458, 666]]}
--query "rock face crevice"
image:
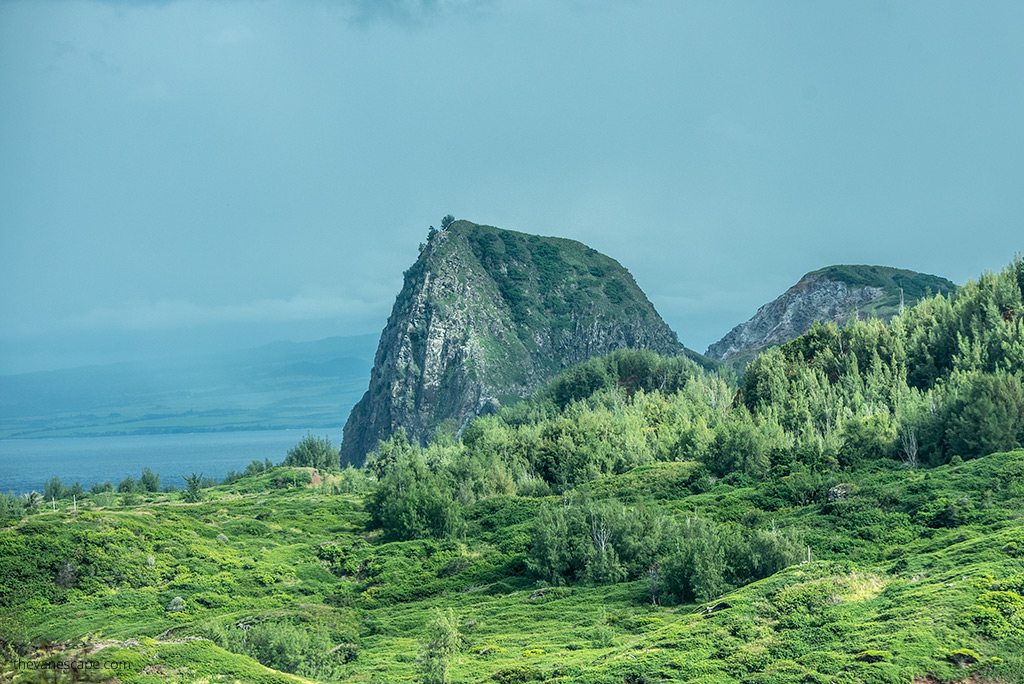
{"points": [[833, 294], [486, 316]]}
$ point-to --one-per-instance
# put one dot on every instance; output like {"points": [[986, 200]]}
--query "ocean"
{"points": [[26, 464]]}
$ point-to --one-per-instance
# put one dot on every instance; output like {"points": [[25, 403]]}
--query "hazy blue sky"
{"points": [[179, 174]]}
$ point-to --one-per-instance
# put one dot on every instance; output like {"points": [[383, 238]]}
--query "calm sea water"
{"points": [[25, 464]]}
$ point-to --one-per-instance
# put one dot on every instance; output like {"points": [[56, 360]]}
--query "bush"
{"points": [[517, 674], [149, 481], [874, 656], [964, 657], [54, 489], [193, 492], [313, 452]]}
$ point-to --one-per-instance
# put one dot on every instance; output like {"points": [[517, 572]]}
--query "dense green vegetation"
{"points": [[853, 514]]}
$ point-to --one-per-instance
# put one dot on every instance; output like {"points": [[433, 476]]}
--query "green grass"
{"points": [[895, 589]]}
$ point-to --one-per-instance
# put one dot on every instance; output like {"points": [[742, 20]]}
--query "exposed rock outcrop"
{"points": [[486, 316], [831, 294]]}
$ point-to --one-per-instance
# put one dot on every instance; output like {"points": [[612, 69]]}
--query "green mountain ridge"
{"points": [[832, 294], [914, 285]]}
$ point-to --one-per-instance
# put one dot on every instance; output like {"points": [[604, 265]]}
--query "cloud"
{"points": [[361, 12], [408, 12]]}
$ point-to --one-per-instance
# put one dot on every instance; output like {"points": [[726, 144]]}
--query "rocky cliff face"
{"points": [[831, 294], [486, 316]]}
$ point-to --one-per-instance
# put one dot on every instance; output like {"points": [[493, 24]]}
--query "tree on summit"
{"points": [[447, 221]]}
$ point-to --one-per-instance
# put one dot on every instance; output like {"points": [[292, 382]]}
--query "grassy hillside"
{"points": [[273, 567], [855, 513]]}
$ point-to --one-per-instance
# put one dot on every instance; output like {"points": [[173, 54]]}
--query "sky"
{"points": [[179, 176]]}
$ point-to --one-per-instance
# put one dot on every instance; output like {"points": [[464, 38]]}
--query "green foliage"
{"points": [[54, 489], [313, 452], [149, 481], [442, 643], [411, 501], [193, 488], [987, 414], [559, 528]]}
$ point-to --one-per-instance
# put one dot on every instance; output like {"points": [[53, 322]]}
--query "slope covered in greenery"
{"points": [[835, 294], [853, 514], [915, 286]]}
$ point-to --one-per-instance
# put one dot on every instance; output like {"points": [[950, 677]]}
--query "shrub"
{"points": [[149, 481], [313, 452], [964, 657], [193, 492], [517, 674], [873, 656], [601, 637]]}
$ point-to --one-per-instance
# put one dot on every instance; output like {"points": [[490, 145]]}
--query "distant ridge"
{"points": [[486, 316], [279, 385], [833, 293]]}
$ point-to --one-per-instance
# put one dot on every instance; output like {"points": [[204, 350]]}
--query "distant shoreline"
{"points": [[145, 432]]}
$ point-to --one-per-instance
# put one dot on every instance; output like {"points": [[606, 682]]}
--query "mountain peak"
{"points": [[834, 293], [488, 315]]}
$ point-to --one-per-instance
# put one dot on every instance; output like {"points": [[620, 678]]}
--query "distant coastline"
{"points": [[26, 464]]}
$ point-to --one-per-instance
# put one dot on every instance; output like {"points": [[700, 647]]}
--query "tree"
{"points": [[412, 502], [54, 489], [313, 452], [388, 452], [150, 481], [696, 571], [443, 641], [447, 222], [988, 415], [193, 491]]}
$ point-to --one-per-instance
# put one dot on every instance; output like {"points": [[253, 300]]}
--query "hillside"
{"points": [[288, 578], [832, 294], [486, 316], [854, 514]]}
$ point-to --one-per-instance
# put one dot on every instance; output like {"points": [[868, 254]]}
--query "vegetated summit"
{"points": [[830, 294], [486, 316]]}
